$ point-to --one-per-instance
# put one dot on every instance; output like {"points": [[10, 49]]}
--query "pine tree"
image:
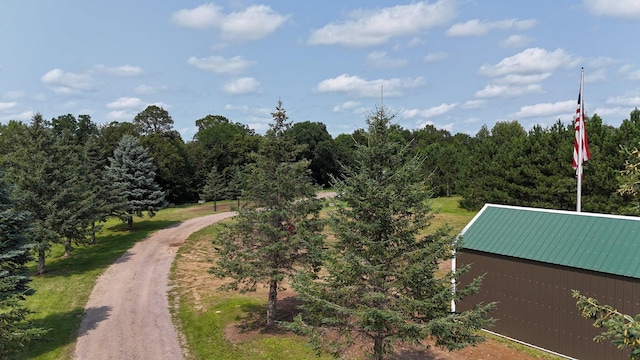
{"points": [[132, 174], [106, 199], [34, 172], [214, 188], [15, 332], [381, 281], [279, 231]]}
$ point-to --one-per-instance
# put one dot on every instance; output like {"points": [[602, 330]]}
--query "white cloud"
{"points": [[123, 70], [220, 65], [529, 61], [523, 79], [126, 103], [430, 112], [447, 127], [435, 57], [121, 115], [547, 109], [476, 27], [380, 59], [67, 83], [202, 17], [628, 72], [515, 41], [473, 104], [7, 105], [23, 116], [623, 9], [348, 105], [598, 75], [240, 86], [504, 90], [253, 23], [375, 27], [356, 86], [13, 95], [624, 100], [615, 112]]}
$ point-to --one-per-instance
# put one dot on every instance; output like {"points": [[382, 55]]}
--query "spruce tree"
{"points": [[214, 188], [278, 232], [15, 332], [132, 174], [32, 168], [381, 281]]}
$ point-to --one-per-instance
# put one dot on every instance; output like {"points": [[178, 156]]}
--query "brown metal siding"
{"points": [[535, 303]]}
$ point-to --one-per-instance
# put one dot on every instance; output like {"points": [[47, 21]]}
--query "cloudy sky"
{"points": [[455, 64]]}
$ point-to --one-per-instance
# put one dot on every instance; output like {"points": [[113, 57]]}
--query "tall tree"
{"points": [[381, 279], [15, 332], [174, 170], [106, 199], [153, 120], [319, 150], [132, 173], [75, 210], [214, 189], [279, 231], [222, 144], [32, 168]]}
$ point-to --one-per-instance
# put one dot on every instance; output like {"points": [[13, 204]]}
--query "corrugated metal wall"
{"points": [[535, 303]]}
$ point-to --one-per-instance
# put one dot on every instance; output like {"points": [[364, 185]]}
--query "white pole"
{"points": [[581, 125], [453, 281]]}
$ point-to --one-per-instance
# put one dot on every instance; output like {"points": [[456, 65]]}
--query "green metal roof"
{"points": [[598, 242]]}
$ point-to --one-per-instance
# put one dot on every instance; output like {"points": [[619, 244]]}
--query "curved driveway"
{"points": [[127, 316]]}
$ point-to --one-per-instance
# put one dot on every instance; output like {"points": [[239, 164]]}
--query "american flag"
{"points": [[581, 145]]}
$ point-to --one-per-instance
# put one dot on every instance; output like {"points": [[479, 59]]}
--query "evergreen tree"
{"points": [[622, 330], [381, 280], [32, 169], [214, 189], [74, 198], [279, 231], [106, 199], [15, 332], [131, 172]]}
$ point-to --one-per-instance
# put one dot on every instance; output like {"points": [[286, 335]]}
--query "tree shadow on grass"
{"points": [[63, 328], [255, 316], [107, 250]]}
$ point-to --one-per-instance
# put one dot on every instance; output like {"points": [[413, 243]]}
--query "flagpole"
{"points": [[581, 126]]}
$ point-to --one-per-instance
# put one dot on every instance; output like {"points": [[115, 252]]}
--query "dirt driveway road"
{"points": [[127, 316]]}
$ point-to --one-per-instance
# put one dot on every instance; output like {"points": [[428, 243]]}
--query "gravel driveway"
{"points": [[127, 316]]}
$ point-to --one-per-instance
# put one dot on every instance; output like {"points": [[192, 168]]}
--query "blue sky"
{"points": [[455, 64]]}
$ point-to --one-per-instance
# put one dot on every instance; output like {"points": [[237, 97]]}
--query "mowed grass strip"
{"points": [[62, 292]]}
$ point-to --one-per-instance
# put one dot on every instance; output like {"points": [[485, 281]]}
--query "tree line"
{"points": [[504, 164]]}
